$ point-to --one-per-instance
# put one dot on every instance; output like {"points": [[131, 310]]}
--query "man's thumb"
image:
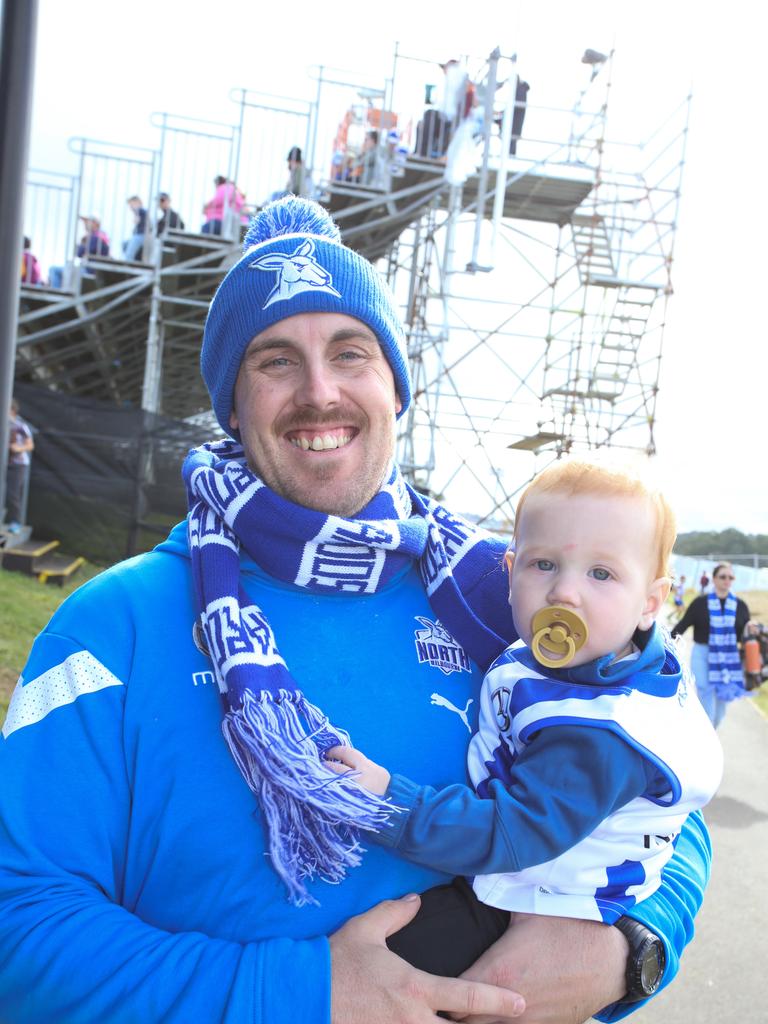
{"points": [[392, 915]]}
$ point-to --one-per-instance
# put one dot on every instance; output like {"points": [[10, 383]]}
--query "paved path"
{"points": [[723, 978]]}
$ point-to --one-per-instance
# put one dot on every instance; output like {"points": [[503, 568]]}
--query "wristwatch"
{"points": [[646, 961]]}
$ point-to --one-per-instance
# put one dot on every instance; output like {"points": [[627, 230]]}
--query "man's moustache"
{"points": [[339, 417]]}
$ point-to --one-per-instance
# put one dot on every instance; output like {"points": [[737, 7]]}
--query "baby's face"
{"points": [[594, 555]]}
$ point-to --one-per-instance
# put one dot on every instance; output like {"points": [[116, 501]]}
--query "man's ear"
{"points": [[658, 592], [398, 404]]}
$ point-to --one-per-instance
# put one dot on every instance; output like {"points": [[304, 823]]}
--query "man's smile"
{"points": [[316, 441]]}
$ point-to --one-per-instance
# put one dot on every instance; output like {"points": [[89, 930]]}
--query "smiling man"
{"points": [[315, 406], [151, 870]]}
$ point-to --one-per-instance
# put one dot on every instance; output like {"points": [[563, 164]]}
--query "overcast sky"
{"points": [[103, 67]]}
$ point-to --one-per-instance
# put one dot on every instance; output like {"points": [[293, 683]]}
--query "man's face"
{"points": [[315, 404], [594, 555]]}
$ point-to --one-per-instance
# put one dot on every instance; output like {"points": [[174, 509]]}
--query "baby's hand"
{"points": [[370, 775]]}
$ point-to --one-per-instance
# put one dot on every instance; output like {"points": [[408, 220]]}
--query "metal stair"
{"points": [[592, 245], [39, 558]]}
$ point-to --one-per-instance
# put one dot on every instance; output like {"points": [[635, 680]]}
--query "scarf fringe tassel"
{"points": [[313, 814]]}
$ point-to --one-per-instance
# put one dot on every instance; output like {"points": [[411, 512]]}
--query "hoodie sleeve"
{"points": [[671, 910], [70, 949]]}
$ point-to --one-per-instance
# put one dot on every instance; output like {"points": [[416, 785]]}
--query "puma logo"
{"points": [[443, 702]]}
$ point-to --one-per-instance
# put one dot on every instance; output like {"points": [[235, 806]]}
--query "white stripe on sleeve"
{"points": [[63, 684]]}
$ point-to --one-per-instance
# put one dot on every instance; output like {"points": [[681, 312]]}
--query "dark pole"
{"points": [[17, 66]]}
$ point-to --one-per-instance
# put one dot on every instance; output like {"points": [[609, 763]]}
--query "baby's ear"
{"points": [[658, 592], [509, 561]]}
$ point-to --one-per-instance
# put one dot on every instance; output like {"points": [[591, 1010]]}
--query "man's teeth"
{"points": [[321, 443]]}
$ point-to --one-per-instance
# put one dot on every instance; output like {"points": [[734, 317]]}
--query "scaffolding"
{"points": [[533, 286], [546, 338]]}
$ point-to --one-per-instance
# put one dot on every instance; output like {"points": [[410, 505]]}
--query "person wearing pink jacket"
{"points": [[226, 197]]}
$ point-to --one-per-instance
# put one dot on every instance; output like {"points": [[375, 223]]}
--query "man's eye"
{"points": [[544, 565], [349, 355], [600, 574]]}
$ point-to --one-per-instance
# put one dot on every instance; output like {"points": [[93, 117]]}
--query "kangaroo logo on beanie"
{"points": [[296, 273]]}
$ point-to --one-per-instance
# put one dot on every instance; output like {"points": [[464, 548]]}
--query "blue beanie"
{"points": [[294, 262]]}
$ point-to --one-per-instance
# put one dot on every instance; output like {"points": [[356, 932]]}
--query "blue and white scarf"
{"points": [[725, 672], [276, 736]]}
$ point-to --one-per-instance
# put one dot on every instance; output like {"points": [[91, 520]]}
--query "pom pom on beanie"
{"points": [[294, 262]]}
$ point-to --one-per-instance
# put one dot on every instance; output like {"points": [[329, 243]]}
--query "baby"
{"points": [[591, 747]]}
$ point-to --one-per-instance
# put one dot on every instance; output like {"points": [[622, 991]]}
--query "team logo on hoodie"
{"points": [[436, 646]]}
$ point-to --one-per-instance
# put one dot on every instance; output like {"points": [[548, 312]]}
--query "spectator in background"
{"points": [[521, 99], [432, 131], [30, 268], [704, 582], [226, 197], [169, 219], [93, 243], [719, 620], [20, 446], [133, 248], [369, 162], [679, 595], [297, 173], [299, 181], [518, 114]]}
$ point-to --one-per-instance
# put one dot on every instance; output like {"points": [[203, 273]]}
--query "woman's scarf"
{"points": [[725, 672], [275, 734]]}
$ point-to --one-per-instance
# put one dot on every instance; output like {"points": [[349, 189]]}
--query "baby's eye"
{"points": [[544, 564], [600, 574]]}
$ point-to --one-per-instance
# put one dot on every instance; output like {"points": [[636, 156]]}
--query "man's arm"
{"points": [[569, 970], [26, 444]]}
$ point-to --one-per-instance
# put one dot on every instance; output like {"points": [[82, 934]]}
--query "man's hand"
{"points": [[371, 984], [566, 969]]}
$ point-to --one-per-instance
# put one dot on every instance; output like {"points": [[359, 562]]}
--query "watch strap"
{"points": [[646, 961]]}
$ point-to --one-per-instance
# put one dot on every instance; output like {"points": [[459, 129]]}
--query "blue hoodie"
{"points": [[134, 880]]}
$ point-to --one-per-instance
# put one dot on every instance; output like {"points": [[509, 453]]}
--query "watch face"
{"points": [[651, 970]]}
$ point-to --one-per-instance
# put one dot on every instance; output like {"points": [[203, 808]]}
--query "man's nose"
{"points": [[318, 386]]}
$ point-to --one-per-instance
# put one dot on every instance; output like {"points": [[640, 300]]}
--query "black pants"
{"points": [[450, 931], [15, 479]]}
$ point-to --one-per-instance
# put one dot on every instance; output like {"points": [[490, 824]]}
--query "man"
{"points": [[170, 219], [20, 447], [94, 242], [148, 872], [133, 247], [369, 163]]}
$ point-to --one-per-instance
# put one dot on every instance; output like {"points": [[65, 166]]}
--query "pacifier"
{"points": [[561, 632]]}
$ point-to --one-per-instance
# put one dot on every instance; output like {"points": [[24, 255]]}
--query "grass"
{"points": [[25, 607]]}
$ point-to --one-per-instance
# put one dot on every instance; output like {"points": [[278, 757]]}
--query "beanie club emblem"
{"points": [[296, 272]]}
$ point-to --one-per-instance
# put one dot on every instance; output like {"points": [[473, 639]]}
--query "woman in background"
{"points": [[718, 621]]}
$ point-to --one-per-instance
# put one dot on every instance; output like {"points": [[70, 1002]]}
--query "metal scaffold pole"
{"points": [[17, 63]]}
